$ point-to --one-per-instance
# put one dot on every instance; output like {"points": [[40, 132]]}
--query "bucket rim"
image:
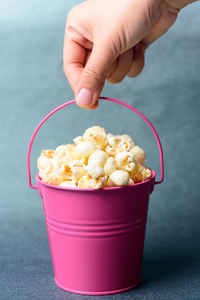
{"points": [[151, 179]]}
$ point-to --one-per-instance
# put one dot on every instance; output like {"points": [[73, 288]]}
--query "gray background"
{"points": [[167, 92]]}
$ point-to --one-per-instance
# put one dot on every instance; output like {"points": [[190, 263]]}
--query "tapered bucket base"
{"points": [[97, 293]]}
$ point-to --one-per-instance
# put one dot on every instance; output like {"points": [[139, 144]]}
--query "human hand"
{"points": [[106, 39]]}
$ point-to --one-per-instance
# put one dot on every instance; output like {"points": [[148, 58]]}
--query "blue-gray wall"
{"points": [[168, 92]]}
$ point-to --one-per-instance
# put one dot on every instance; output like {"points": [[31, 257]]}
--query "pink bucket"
{"points": [[96, 237]]}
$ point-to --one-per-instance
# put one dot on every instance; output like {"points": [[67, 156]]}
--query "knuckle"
{"points": [[151, 12], [116, 45], [71, 13], [71, 18]]}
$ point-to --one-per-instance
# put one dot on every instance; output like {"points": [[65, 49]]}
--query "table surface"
{"points": [[167, 92]]}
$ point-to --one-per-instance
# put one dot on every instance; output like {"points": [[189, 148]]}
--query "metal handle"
{"points": [[105, 99]]}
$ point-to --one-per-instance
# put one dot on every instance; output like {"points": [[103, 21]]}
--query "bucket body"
{"points": [[96, 237]]}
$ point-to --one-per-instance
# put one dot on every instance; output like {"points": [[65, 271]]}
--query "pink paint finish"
{"points": [[96, 237]]}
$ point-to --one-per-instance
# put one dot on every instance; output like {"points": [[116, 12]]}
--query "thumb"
{"points": [[93, 75]]}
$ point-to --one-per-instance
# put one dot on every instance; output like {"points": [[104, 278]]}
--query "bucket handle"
{"points": [[102, 98]]}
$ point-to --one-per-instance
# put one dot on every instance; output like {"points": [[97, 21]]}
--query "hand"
{"points": [[106, 39]]}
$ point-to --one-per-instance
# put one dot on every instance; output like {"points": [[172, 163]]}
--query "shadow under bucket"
{"points": [[96, 237]]}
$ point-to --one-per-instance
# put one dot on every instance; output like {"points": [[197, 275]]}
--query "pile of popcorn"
{"points": [[95, 160]]}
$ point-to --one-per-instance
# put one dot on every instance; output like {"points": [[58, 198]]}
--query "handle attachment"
{"points": [[105, 99]]}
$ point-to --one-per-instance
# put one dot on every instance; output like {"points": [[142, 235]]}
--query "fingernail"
{"points": [[84, 97]]}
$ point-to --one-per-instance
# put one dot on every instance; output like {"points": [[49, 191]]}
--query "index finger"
{"points": [[74, 55]]}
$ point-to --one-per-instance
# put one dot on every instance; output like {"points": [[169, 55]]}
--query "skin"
{"points": [[107, 39]]}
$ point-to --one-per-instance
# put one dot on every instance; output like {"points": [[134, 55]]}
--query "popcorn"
{"points": [[78, 140], [96, 135], [68, 172], [122, 142], [137, 177], [95, 171], [139, 154], [103, 180], [50, 169], [110, 166], [146, 174], [95, 160], [86, 182], [43, 163], [129, 167], [128, 141], [124, 158], [67, 153], [60, 151], [113, 140], [131, 181], [78, 172], [120, 177], [110, 150], [98, 157], [140, 173], [52, 176], [68, 183], [48, 153], [125, 161], [77, 163], [110, 183], [84, 149]]}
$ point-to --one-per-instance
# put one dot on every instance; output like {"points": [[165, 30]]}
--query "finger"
{"points": [[87, 56], [93, 75], [112, 68], [74, 55], [122, 67], [138, 61], [94, 106]]}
